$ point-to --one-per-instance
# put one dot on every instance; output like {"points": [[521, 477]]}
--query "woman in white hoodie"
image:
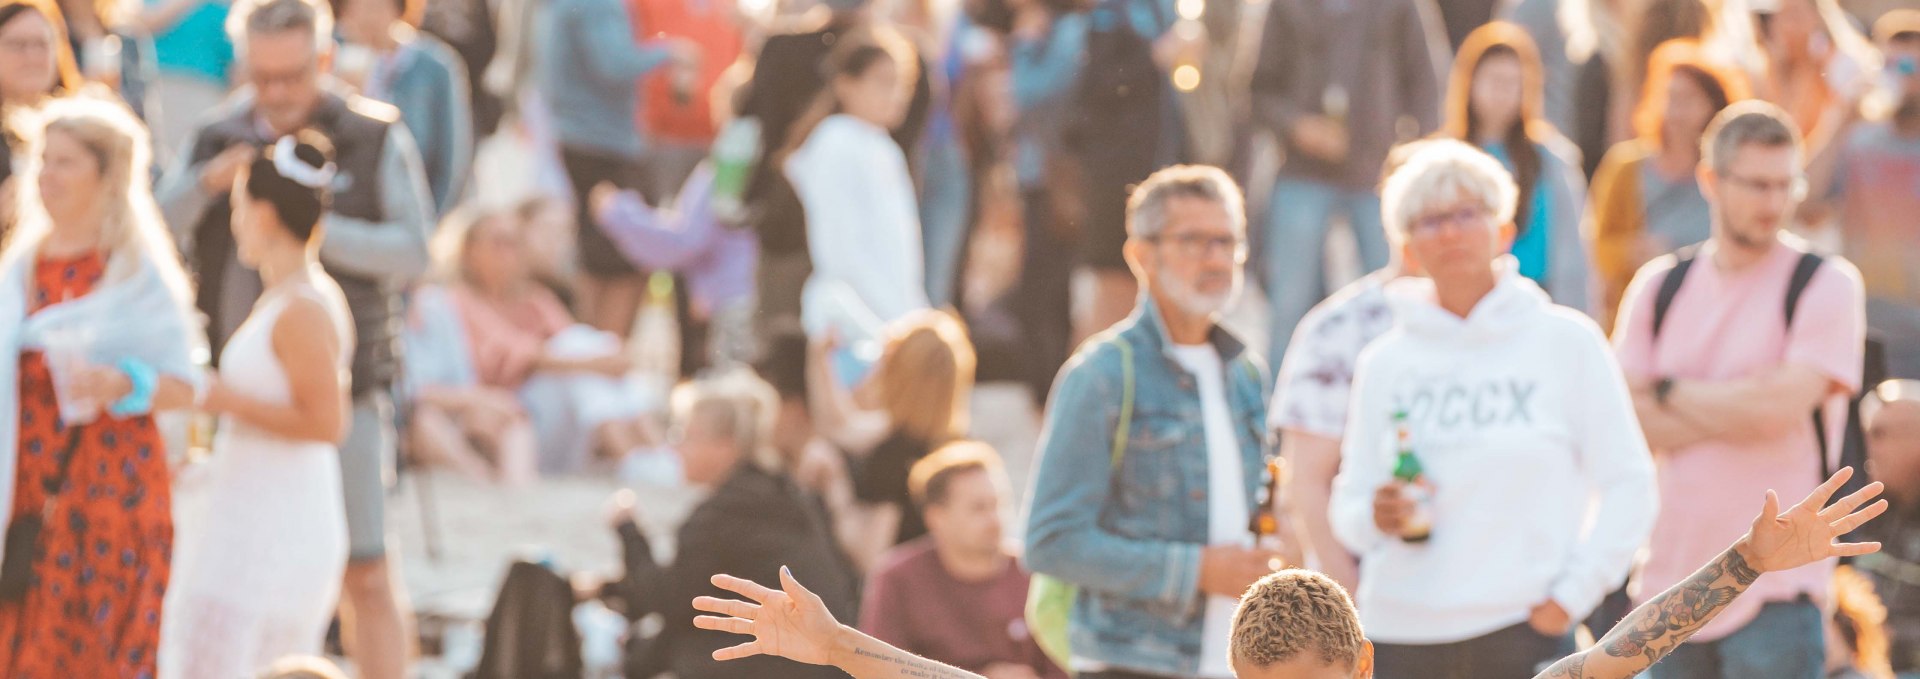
{"points": [[1540, 480], [863, 222]]}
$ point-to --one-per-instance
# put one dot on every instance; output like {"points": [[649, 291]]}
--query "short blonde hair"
{"points": [[737, 405], [1293, 612], [1444, 170]]}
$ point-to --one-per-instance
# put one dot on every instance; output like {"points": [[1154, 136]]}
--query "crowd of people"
{"points": [[1626, 267]]}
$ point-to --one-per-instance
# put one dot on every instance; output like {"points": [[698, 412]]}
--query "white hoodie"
{"points": [[1543, 484], [863, 226]]}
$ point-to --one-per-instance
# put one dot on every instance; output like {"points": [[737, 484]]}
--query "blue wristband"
{"points": [[139, 401]]}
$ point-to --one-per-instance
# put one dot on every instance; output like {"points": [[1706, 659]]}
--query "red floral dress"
{"points": [[93, 609]]}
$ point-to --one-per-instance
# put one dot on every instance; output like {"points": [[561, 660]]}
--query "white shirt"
{"points": [[863, 224], [1227, 513]]}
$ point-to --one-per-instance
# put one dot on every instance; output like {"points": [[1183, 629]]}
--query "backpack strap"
{"points": [[1670, 286], [1126, 403], [1802, 275]]}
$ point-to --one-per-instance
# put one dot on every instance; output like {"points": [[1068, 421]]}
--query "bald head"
{"points": [[1891, 415]]}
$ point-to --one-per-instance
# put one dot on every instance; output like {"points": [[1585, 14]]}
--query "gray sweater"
{"points": [[1388, 56]]}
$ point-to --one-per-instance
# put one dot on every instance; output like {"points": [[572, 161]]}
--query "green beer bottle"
{"points": [[1413, 483]]}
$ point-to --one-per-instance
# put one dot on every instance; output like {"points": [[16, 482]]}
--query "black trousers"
{"points": [[1516, 652]]}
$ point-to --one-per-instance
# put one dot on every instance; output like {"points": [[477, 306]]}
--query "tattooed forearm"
{"points": [[872, 659], [1657, 627]]}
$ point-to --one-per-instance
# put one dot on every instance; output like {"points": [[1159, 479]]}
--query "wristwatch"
{"points": [[1662, 390]]}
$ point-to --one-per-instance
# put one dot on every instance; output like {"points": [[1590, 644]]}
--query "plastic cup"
{"points": [[67, 355]]}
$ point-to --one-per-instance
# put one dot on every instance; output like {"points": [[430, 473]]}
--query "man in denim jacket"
{"points": [[1153, 531]]}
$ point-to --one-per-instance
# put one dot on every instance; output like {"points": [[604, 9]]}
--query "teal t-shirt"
{"points": [[197, 45], [1530, 247]]}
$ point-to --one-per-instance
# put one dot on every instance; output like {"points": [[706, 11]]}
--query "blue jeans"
{"points": [[1786, 641], [945, 208], [1296, 263]]}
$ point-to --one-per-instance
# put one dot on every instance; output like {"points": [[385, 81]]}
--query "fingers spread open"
{"points": [[1820, 495], [1852, 521], [746, 650], [747, 588], [719, 624], [735, 608], [1847, 504], [1855, 548]]}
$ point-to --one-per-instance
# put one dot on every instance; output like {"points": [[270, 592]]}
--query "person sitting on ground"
{"points": [[914, 400], [1891, 413], [958, 595], [1301, 625], [570, 380], [755, 517]]}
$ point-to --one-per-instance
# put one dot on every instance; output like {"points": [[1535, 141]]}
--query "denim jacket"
{"points": [[1130, 538]]}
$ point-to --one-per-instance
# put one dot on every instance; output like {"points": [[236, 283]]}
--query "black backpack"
{"points": [[530, 634], [1853, 449]]}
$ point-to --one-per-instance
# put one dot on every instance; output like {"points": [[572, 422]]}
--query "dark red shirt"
{"points": [[913, 602]]}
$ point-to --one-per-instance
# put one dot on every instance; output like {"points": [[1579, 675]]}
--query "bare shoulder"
{"points": [[316, 309]]}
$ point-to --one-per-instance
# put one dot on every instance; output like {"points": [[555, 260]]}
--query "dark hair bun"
{"points": [[295, 176]]}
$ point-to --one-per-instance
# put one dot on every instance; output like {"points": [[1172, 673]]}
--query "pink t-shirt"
{"points": [[1725, 326]]}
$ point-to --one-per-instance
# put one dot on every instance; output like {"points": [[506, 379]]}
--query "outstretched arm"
{"points": [[794, 624], [1777, 542]]}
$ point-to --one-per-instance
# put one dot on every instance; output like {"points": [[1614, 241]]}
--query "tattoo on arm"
{"points": [[1657, 627], [903, 664]]}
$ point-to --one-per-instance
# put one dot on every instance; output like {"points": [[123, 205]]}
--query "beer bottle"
{"points": [[1413, 484]]}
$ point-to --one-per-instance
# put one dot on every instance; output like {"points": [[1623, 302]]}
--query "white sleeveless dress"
{"points": [[256, 575]]}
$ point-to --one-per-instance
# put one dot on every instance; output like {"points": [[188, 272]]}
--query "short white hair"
{"points": [[256, 17], [1440, 172]]}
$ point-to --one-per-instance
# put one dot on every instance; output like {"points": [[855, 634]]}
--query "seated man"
{"points": [[957, 595], [1299, 625], [1891, 414]]}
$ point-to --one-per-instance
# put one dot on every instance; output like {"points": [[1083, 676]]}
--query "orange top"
{"points": [[708, 23]]}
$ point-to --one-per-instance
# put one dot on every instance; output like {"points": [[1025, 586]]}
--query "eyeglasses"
{"points": [[1198, 246], [1795, 187], [1432, 223]]}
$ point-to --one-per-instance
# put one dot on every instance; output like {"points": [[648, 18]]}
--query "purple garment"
{"points": [[718, 261]]}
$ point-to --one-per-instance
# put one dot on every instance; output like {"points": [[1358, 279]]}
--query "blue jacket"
{"points": [[587, 66], [1130, 538], [428, 83]]}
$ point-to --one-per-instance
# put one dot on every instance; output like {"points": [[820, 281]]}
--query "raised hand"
{"points": [[1803, 535], [1807, 532], [793, 624]]}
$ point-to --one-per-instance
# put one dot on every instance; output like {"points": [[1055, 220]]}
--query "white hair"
{"points": [[257, 17], [1440, 172]]}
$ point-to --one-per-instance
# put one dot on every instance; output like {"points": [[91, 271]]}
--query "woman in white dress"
{"points": [[258, 571]]}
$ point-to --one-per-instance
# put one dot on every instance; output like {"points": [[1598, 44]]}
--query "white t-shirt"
{"points": [[1227, 512]]}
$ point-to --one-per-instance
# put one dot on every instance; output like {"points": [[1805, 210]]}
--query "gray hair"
{"points": [[1747, 123], [258, 17], [735, 405], [1443, 170], [1147, 207]]}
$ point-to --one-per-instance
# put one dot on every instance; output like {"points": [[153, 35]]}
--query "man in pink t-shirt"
{"points": [[1725, 392]]}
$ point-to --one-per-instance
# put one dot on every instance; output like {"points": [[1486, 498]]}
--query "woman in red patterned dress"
{"points": [[91, 253]]}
